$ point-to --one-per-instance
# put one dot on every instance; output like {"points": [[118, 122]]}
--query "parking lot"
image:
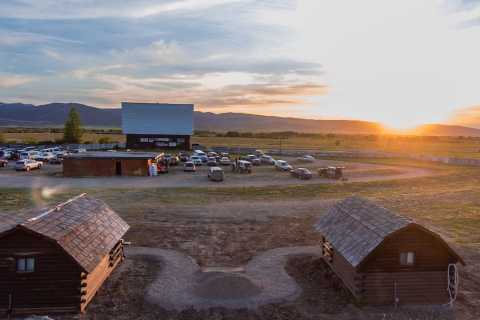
{"points": [[263, 175]]}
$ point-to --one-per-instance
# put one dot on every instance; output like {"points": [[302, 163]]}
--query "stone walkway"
{"points": [[181, 284]]}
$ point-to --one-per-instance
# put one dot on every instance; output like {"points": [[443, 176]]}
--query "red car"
{"points": [[3, 163], [162, 167]]}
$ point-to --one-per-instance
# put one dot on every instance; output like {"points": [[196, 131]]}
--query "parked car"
{"points": [[331, 172], [302, 173], [283, 165], [199, 153], [211, 162], [225, 154], [225, 161], [267, 159], [259, 153], [162, 166], [45, 157], [184, 157], [212, 154], [203, 158], [79, 150], [3, 163], [189, 166], [172, 160], [216, 174], [6, 154], [27, 165], [306, 158], [58, 159], [196, 160], [242, 166]]}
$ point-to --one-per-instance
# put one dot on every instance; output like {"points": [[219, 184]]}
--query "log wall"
{"points": [[54, 285]]}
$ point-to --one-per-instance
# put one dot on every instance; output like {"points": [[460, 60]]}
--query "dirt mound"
{"points": [[224, 286]]}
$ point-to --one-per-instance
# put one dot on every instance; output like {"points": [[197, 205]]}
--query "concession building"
{"points": [[157, 125], [56, 259], [109, 163], [387, 259]]}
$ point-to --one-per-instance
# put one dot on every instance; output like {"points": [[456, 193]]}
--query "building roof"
{"points": [[85, 227], [114, 155], [356, 227], [157, 118]]}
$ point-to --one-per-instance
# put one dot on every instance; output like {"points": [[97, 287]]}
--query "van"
{"points": [[216, 174]]}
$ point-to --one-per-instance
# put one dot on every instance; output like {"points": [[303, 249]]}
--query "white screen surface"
{"points": [[157, 118]]}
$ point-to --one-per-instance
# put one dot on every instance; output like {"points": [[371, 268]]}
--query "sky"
{"points": [[400, 63]]}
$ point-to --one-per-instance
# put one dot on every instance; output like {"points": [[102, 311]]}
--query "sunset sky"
{"points": [[401, 63]]}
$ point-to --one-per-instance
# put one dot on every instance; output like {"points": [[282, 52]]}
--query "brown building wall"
{"points": [[104, 167], [135, 167], [381, 277], [425, 282], [54, 286]]}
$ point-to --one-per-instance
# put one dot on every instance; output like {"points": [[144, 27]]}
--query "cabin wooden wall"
{"points": [[93, 281], [423, 283], [55, 284], [342, 268], [135, 167]]}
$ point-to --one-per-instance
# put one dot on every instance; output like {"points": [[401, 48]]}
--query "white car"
{"points": [[27, 165], [225, 161], [306, 158], [189, 166], [45, 157], [283, 165], [267, 159], [199, 153], [196, 160]]}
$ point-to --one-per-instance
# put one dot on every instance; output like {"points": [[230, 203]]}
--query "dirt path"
{"points": [[181, 284], [263, 176]]}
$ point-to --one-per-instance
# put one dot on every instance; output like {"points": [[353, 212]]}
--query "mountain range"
{"points": [[55, 114]]}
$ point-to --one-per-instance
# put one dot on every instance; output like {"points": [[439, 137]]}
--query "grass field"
{"points": [[435, 146]]}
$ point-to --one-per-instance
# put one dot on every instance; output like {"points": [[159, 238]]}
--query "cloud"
{"points": [[11, 80], [91, 9], [13, 38], [119, 88]]}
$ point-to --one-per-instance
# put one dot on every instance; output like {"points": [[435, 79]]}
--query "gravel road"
{"points": [[181, 283], [51, 176]]}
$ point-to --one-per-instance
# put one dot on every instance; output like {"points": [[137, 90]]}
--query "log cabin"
{"points": [[384, 258], [55, 260]]}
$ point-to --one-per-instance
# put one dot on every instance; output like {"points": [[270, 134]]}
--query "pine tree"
{"points": [[72, 131]]}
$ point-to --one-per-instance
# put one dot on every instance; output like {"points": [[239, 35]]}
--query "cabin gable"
{"points": [[426, 250], [35, 287]]}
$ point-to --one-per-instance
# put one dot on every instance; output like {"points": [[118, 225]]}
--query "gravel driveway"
{"points": [[51, 176], [181, 283]]}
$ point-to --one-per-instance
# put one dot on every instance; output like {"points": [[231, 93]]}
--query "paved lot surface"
{"points": [[181, 284], [51, 176]]}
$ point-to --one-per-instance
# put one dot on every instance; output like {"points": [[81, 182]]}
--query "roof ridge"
{"points": [[374, 230], [58, 207]]}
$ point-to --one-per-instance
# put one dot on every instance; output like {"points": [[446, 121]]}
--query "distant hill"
{"points": [[54, 115], [446, 130]]}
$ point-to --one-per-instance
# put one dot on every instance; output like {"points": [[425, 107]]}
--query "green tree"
{"points": [[73, 131]]}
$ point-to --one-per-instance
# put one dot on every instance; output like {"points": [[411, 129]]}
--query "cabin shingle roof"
{"points": [[85, 227], [356, 226]]}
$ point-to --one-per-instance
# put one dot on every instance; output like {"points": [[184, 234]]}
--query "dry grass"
{"points": [[436, 146]]}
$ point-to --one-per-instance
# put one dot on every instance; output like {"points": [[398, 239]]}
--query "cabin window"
{"points": [[25, 265], [407, 258]]}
